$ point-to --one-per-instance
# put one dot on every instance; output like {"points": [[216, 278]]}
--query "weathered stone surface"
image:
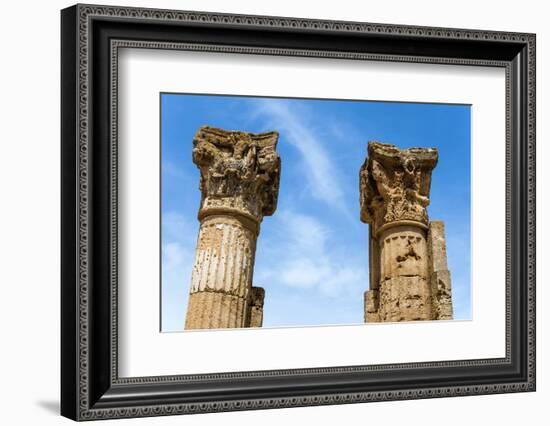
{"points": [[407, 259], [395, 184], [440, 274], [215, 309], [239, 171], [255, 307], [239, 186], [405, 299], [403, 292], [403, 252], [372, 304], [224, 256]]}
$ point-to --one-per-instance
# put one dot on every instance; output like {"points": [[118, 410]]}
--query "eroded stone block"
{"points": [[409, 279], [239, 185]]}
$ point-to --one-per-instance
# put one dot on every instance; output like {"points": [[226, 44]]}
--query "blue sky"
{"points": [[312, 254]]}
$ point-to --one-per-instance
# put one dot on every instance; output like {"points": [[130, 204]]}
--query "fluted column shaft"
{"points": [[239, 186], [222, 274]]}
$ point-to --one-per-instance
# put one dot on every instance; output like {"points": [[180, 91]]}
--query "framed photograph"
{"points": [[263, 212]]}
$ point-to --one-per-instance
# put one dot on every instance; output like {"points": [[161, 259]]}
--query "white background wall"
{"points": [[29, 212]]}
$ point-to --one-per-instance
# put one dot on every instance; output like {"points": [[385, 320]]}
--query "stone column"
{"points": [[394, 194], [256, 307], [239, 185], [440, 275]]}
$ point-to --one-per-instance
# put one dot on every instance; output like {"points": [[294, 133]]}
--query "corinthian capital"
{"points": [[239, 171], [395, 184]]}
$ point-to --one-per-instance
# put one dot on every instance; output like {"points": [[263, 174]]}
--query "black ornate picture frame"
{"points": [[91, 388]]}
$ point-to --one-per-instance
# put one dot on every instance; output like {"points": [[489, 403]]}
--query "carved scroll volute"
{"points": [[239, 171], [394, 196], [239, 184], [395, 184]]}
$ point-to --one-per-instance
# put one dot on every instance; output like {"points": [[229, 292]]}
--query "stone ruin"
{"points": [[239, 183], [409, 277]]}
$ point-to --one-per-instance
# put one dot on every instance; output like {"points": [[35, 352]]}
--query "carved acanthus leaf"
{"points": [[238, 169], [395, 184]]}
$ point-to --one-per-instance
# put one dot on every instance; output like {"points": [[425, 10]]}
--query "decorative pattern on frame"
{"points": [[85, 14]]}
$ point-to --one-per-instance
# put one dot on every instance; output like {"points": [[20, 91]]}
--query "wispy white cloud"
{"points": [[174, 255], [172, 170], [178, 249], [303, 233], [345, 132], [320, 171], [459, 262], [176, 227], [305, 257], [177, 262]]}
